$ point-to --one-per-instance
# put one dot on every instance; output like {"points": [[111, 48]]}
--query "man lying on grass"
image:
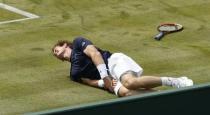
{"points": [[115, 72]]}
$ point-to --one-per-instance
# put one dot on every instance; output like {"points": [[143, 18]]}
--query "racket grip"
{"points": [[159, 36]]}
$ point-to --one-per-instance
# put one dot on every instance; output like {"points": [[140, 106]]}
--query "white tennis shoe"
{"points": [[182, 82]]}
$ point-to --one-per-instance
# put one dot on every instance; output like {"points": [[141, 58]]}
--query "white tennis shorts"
{"points": [[118, 64]]}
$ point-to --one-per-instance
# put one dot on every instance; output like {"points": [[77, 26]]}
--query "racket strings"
{"points": [[167, 28], [170, 27]]}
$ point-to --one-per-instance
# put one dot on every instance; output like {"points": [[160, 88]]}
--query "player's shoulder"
{"points": [[81, 41]]}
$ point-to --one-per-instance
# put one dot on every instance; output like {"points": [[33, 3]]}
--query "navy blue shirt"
{"points": [[81, 64]]}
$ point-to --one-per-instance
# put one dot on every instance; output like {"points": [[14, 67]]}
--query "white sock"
{"points": [[167, 81]]}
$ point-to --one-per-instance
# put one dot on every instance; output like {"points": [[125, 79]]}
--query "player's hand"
{"points": [[108, 84], [114, 83]]}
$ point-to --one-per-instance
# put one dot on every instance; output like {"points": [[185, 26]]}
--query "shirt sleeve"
{"points": [[81, 43]]}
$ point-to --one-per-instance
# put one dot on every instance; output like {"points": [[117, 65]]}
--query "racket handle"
{"points": [[159, 36]]}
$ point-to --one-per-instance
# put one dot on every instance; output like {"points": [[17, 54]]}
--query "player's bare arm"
{"points": [[97, 59], [94, 54]]}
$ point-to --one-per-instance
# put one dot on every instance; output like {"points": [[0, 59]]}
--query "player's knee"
{"points": [[129, 83]]}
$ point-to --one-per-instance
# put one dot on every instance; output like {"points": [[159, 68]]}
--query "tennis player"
{"points": [[115, 72]]}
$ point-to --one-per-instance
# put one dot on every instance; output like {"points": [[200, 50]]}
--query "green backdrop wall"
{"points": [[185, 101]]}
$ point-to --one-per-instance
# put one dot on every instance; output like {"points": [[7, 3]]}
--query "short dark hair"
{"points": [[61, 43]]}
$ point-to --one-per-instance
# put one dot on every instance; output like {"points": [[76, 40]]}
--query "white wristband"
{"points": [[101, 83], [102, 70]]}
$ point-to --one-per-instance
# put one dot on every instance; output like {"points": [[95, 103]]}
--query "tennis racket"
{"points": [[167, 28]]}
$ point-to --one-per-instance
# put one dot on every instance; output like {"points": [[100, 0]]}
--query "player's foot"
{"points": [[181, 82]]}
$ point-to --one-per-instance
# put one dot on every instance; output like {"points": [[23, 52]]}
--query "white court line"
{"points": [[18, 11]]}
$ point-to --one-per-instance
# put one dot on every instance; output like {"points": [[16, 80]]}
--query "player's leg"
{"points": [[131, 81], [123, 91], [128, 72]]}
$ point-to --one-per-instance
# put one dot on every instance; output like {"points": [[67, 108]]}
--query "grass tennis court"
{"points": [[31, 79]]}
